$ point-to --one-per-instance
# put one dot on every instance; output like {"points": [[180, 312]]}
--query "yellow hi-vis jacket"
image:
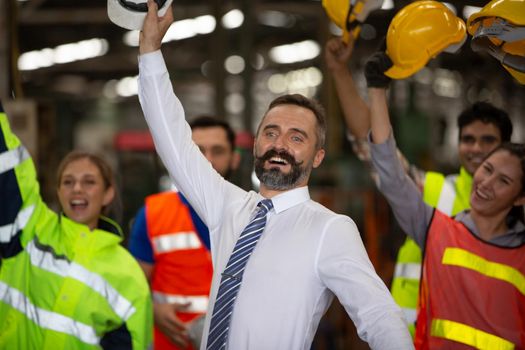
{"points": [[62, 286], [450, 195]]}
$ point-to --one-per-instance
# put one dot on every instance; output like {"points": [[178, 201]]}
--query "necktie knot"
{"points": [[265, 206]]}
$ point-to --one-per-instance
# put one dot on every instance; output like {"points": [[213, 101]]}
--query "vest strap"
{"points": [[176, 241], [463, 258], [47, 319], [447, 197], [408, 270], [465, 334], [198, 303], [7, 232]]}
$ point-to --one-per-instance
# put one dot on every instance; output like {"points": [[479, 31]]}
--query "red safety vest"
{"points": [[183, 267], [472, 292]]}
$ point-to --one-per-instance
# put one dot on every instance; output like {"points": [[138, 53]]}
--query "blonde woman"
{"points": [[65, 281]]}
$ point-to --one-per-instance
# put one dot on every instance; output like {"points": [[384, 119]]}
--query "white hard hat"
{"points": [[130, 14]]}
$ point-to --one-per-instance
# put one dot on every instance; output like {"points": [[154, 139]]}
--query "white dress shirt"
{"points": [[305, 256]]}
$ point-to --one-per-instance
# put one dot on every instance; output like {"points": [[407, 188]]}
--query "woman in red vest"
{"points": [[472, 291]]}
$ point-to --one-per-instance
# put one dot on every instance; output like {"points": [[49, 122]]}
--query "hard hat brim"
{"points": [[518, 76], [128, 19], [401, 73]]}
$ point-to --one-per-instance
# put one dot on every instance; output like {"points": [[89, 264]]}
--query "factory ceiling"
{"points": [[40, 24]]}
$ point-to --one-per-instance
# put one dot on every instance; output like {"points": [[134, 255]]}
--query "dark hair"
{"points": [[105, 171], [308, 103], [487, 113], [205, 121], [517, 150]]}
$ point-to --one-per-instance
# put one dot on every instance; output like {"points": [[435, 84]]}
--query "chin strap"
{"points": [[505, 31], [502, 29]]}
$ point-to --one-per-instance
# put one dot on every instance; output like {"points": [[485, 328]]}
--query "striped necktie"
{"points": [[232, 277]]}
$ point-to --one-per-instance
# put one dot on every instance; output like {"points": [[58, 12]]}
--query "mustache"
{"points": [[281, 154]]}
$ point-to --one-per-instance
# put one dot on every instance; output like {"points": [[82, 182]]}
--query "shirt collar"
{"points": [[290, 198], [104, 224]]}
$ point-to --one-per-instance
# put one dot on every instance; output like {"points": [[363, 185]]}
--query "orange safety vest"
{"points": [[183, 266], [472, 292]]}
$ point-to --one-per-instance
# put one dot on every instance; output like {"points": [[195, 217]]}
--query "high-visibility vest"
{"points": [[472, 292], [62, 285], [183, 266], [450, 195]]}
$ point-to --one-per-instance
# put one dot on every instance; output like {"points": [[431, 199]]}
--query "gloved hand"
{"points": [[375, 69]]}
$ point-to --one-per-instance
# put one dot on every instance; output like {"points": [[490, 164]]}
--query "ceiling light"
{"points": [[387, 5], [233, 19], [276, 19], [127, 86], [234, 64], [234, 103], [63, 54], [296, 81], [183, 29], [296, 52], [258, 62], [188, 28]]}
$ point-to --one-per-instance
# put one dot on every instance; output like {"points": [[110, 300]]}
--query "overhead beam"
{"points": [[64, 17]]}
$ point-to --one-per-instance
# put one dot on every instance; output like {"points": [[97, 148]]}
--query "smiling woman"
{"points": [[65, 281], [85, 187], [473, 264]]}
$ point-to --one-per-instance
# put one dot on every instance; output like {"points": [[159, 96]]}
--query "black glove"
{"points": [[375, 69]]}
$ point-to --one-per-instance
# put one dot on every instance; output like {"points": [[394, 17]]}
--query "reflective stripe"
{"points": [[463, 258], [407, 270], [176, 241], [62, 267], [47, 319], [199, 304], [410, 314], [465, 334], [7, 232], [10, 159], [447, 196]]}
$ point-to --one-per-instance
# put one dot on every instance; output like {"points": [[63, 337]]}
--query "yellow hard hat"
{"points": [[350, 14], [511, 10], [499, 29], [419, 32]]}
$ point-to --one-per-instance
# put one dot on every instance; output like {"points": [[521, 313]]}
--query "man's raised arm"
{"points": [[189, 170]]}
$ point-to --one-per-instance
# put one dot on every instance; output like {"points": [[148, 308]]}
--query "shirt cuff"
{"points": [[152, 63]]}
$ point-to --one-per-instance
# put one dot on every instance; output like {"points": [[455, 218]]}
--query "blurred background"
{"points": [[72, 75]]}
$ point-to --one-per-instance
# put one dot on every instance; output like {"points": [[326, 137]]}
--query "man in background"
{"points": [[172, 244]]}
